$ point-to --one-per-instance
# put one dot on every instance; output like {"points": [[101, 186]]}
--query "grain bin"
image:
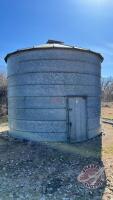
{"points": [[54, 93]]}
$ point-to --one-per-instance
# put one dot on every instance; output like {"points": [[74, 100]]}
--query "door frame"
{"points": [[68, 130]]}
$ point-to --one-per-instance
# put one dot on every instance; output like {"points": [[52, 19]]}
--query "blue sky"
{"points": [[85, 23]]}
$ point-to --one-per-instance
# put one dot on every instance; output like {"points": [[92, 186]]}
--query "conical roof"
{"points": [[53, 44]]}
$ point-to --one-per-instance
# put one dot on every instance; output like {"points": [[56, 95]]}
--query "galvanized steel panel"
{"points": [[53, 66], [52, 137], [37, 102], [53, 78], [93, 123], [38, 114], [52, 90], [94, 132], [38, 126], [93, 112], [93, 101]]}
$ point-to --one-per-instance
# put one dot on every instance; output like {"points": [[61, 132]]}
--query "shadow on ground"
{"points": [[47, 170]]}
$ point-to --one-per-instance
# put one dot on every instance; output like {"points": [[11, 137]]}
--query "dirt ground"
{"points": [[107, 110], [49, 171]]}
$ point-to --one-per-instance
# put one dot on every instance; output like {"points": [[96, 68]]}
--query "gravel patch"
{"points": [[46, 171]]}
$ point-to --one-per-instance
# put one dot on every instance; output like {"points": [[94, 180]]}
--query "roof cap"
{"points": [[54, 42]]}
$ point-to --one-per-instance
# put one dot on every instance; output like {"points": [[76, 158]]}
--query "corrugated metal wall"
{"points": [[38, 84]]}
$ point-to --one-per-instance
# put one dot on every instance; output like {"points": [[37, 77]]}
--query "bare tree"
{"points": [[3, 94], [107, 89]]}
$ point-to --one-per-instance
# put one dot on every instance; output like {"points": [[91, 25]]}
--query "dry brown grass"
{"points": [[3, 124], [107, 110]]}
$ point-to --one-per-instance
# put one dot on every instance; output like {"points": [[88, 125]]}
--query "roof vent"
{"points": [[54, 42]]}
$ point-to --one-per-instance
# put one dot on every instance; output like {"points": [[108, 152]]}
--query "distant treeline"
{"points": [[106, 94], [3, 94], [107, 89]]}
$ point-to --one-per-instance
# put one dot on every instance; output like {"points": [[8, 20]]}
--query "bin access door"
{"points": [[77, 119]]}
